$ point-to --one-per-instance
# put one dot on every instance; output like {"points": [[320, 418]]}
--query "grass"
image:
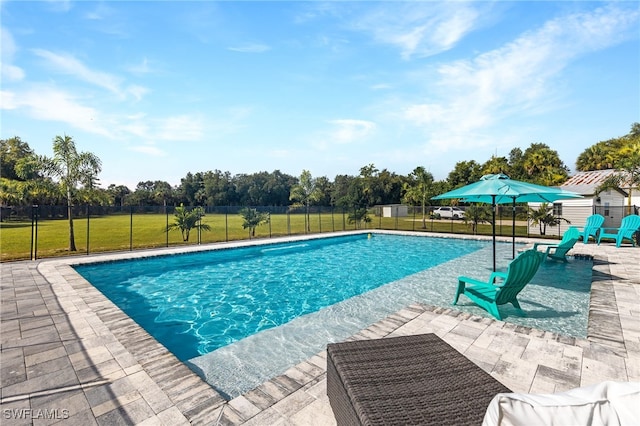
{"points": [[120, 232]]}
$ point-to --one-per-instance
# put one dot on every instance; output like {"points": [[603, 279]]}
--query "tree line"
{"points": [[27, 178]]}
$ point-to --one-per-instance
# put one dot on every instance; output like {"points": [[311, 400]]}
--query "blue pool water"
{"points": [[196, 303], [241, 316]]}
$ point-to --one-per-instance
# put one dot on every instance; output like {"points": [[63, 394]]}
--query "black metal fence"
{"points": [[32, 232]]}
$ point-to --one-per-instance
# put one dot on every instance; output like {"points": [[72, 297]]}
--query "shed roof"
{"points": [[585, 183]]}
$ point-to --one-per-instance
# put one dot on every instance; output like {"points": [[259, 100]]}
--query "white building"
{"points": [[612, 204], [394, 210]]}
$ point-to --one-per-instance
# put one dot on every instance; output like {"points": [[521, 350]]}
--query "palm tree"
{"points": [[71, 168], [596, 157], [253, 218], [304, 193], [476, 214], [358, 216], [186, 220], [544, 217], [628, 171], [419, 189]]}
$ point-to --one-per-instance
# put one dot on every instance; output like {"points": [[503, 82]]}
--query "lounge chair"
{"points": [[591, 228], [630, 224], [488, 295], [407, 380], [558, 251]]}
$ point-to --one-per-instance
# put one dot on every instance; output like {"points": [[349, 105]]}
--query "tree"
{"points": [[596, 157], [357, 216], [16, 155], [476, 214], [544, 217], [305, 193], [340, 190], [252, 219], [186, 220], [118, 193], [464, 173], [543, 166], [71, 169], [496, 165], [627, 160], [419, 189]]}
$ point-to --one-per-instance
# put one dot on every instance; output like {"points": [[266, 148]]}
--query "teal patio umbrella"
{"points": [[497, 189]]}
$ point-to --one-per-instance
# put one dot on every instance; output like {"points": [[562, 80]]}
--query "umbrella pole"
{"points": [[513, 230], [493, 204]]}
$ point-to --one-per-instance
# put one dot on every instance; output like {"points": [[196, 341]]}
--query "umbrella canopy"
{"points": [[500, 189]]}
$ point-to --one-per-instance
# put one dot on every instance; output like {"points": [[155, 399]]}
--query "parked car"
{"points": [[449, 213]]}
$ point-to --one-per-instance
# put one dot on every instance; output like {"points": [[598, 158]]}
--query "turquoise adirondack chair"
{"points": [[558, 251], [591, 228], [488, 295], [630, 224]]}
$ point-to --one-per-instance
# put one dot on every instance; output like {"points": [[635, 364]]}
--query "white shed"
{"points": [[395, 210], [612, 204]]}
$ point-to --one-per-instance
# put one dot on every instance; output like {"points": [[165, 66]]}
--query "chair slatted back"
{"points": [[630, 223], [594, 221], [570, 237], [521, 270]]}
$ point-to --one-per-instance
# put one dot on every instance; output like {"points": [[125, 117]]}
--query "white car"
{"points": [[449, 213]]}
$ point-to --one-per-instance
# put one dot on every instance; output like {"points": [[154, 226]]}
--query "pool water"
{"points": [[241, 316], [196, 303]]}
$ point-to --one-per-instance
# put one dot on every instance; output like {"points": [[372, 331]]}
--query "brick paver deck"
{"points": [[68, 355]]}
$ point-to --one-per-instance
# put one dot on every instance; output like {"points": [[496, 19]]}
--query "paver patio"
{"points": [[68, 355]]}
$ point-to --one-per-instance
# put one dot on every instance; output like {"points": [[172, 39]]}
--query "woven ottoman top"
{"points": [[418, 379]]}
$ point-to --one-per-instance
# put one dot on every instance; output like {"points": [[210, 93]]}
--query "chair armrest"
{"points": [[610, 229], [500, 275], [468, 280], [535, 246]]}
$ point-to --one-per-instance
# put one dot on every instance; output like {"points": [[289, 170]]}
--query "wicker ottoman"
{"points": [[408, 380]]}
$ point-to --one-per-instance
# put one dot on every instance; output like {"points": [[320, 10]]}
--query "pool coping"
{"points": [[98, 336]]}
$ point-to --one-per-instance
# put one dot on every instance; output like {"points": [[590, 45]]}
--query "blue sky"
{"points": [[160, 88]]}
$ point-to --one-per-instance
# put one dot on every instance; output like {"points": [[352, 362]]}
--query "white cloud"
{"points": [[141, 68], [381, 86], [45, 103], [137, 92], [180, 128], [8, 71], [519, 77], [348, 130], [419, 29], [250, 48], [67, 64], [154, 151]]}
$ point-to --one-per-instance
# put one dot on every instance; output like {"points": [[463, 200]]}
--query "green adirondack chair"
{"points": [[558, 251], [630, 224], [591, 228], [489, 295]]}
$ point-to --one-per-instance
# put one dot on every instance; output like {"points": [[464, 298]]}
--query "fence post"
{"points": [[320, 219], [166, 213], [88, 229], [413, 225], [333, 222], [34, 232], [130, 228]]}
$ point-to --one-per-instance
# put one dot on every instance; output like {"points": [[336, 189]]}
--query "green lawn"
{"points": [[118, 232]]}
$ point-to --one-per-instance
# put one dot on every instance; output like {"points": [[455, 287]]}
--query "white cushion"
{"points": [[606, 403]]}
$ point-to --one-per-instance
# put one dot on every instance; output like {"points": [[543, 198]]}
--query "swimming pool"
{"points": [[285, 332], [196, 303]]}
